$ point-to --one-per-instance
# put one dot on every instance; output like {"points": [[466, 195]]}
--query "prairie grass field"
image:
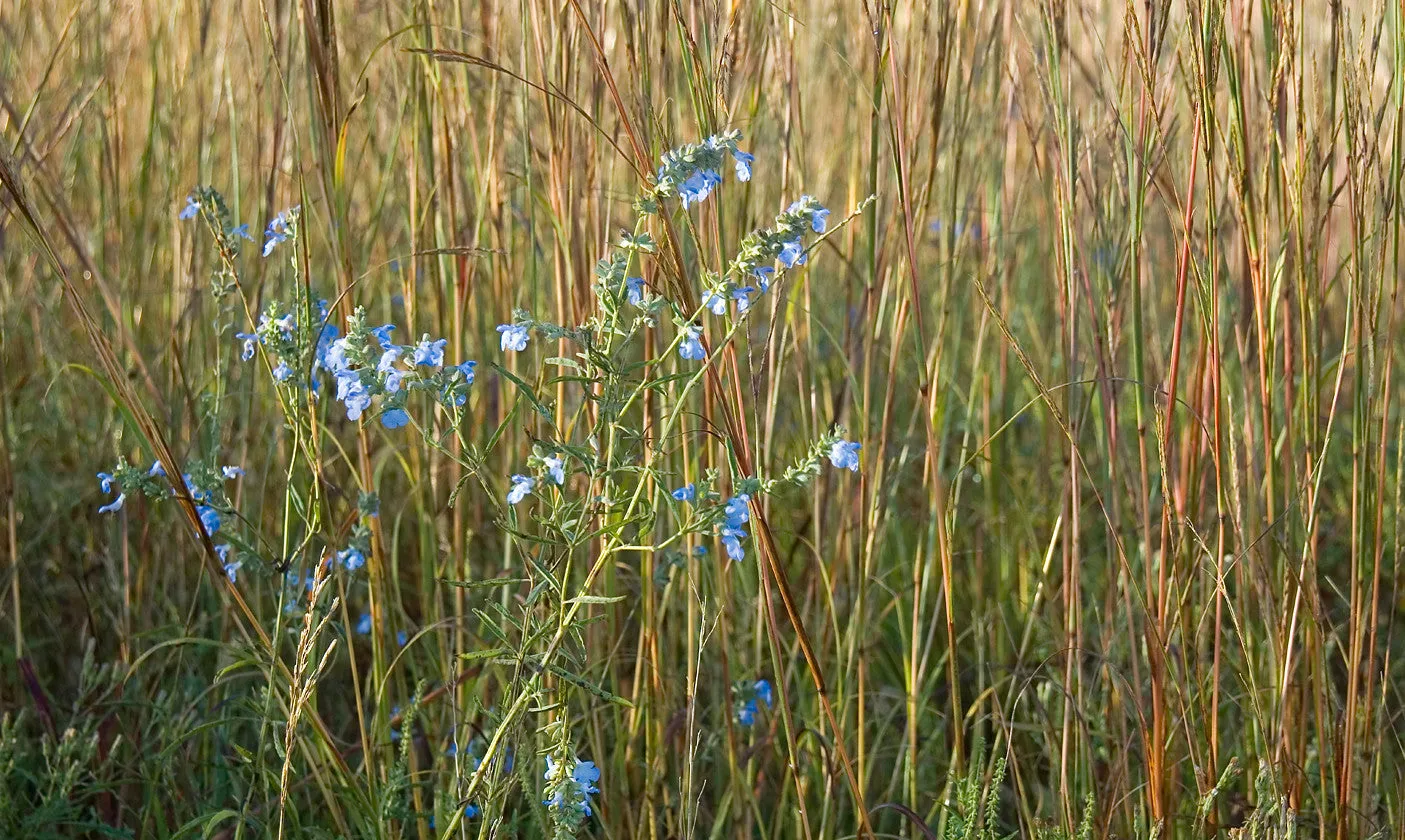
{"points": [[702, 419]]}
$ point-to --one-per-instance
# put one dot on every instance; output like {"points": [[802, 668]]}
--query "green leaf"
{"points": [[486, 583]]}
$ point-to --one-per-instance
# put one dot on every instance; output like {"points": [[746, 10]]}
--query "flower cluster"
{"points": [[364, 363], [281, 228], [735, 515], [749, 699], [280, 332], [549, 466], [569, 785], [753, 269], [209, 203], [204, 482], [841, 452], [691, 171]]}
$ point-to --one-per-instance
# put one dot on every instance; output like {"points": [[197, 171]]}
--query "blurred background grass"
{"points": [[1081, 208]]}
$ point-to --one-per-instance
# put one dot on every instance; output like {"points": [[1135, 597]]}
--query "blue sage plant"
{"points": [[607, 400]]}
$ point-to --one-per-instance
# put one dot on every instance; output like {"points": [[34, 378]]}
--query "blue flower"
{"points": [[691, 348], [470, 811], [514, 337], [231, 568], [105, 481], [686, 493], [230, 473], [792, 253], [334, 357], [325, 339], [736, 511], [195, 492], [634, 289], [818, 219], [351, 558], [763, 273], [241, 231], [277, 231], [250, 339], [382, 334], [209, 517], [569, 793], [429, 352], [741, 296], [714, 302], [114, 505], [556, 466], [282, 372], [760, 690], [763, 691], [388, 359], [363, 625], [698, 186], [191, 208], [521, 486], [744, 162], [392, 381], [156, 470], [401, 637], [586, 775], [394, 418], [352, 392], [732, 541], [845, 454], [466, 369]]}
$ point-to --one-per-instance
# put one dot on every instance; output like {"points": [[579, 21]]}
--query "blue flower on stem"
{"points": [[382, 334], [521, 486], [844, 454], [763, 274], [760, 690], [556, 467], [686, 493], [282, 372], [698, 186], [401, 637], [571, 790], [691, 348], [363, 625], [114, 505], [250, 339], [429, 352], [393, 378], [714, 302], [394, 418], [792, 253], [231, 568], [209, 517], [514, 337], [634, 289], [351, 558], [191, 208], [743, 160], [105, 481], [352, 392], [278, 231], [230, 473], [742, 297]]}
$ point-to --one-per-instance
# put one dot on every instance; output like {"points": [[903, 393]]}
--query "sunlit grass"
{"points": [[1109, 301]]}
